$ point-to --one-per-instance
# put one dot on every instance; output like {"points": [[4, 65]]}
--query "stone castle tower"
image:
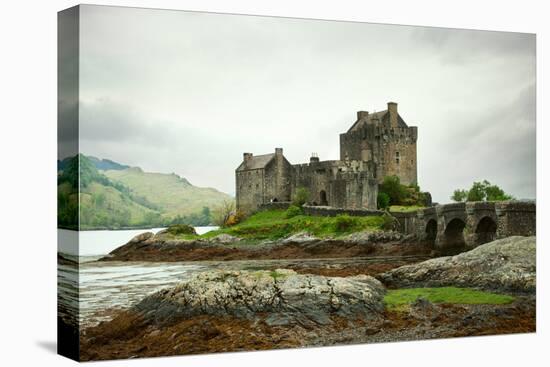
{"points": [[384, 138], [377, 145]]}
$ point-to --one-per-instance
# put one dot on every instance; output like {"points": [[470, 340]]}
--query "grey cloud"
{"points": [[182, 92]]}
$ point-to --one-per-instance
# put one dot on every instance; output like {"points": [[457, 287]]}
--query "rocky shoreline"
{"points": [[163, 247], [233, 310]]}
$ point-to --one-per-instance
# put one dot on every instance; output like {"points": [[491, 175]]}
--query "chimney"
{"points": [[362, 114], [247, 156], [392, 109], [278, 151], [314, 158]]}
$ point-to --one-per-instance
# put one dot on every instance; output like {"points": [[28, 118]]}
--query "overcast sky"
{"points": [[172, 91]]}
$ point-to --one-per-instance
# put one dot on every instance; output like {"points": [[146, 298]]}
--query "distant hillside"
{"points": [[128, 197], [174, 194], [100, 164]]}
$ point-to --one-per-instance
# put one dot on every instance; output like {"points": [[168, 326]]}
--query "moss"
{"points": [[177, 229], [275, 275], [274, 225], [405, 209], [399, 299]]}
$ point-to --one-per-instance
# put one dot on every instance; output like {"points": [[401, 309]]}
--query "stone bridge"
{"points": [[470, 224]]}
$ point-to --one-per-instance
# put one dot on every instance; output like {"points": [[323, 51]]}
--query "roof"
{"points": [[375, 117], [256, 162]]}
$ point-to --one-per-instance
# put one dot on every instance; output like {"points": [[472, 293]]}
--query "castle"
{"points": [[376, 145]]}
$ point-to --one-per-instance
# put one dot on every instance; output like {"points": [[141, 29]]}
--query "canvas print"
{"points": [[236, 183]]}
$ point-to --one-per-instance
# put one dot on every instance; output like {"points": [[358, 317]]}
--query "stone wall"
{"points": [[284, 205], [516, 218], [278, 179], [408, 222], [249, 189], [397, 154], [391, 146]]}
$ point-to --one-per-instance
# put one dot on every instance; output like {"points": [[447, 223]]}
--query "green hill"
{"points": [[170, 192], [129, 198]]}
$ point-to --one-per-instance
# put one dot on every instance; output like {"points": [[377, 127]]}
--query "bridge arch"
{"points": [[453, 236], [485, 230]]}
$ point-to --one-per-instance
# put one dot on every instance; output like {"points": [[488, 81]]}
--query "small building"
{"points": [[376, 145]]}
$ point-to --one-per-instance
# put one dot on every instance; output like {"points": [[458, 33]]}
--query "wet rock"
{"points": [[288, 297], [224, 238], [508, 264], [365, 237], [141, 237], [300, 238]]}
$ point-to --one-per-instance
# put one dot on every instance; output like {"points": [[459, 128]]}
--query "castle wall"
{"points": [[345, 184], [250, 189], [384, 145], [278, 179], [398, 154]]}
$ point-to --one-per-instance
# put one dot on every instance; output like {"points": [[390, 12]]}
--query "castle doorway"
{"points": [[323, 198]]}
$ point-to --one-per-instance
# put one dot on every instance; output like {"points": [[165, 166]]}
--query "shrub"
{"points": [[392, 187], [234, 218], [222, 213], [176, 229], [293, 211], [383, 200], [344, 222], [300, 197], [389, 222]]}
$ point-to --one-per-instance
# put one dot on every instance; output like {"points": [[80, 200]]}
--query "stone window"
{"points": [[397, 157]]}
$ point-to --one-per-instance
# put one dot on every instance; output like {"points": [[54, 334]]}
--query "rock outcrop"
{"points": [[505, 265], [166, 247], [282, 296]]}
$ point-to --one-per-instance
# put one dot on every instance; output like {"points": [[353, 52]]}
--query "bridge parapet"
{"points": [[454, 207], [516, 218], [421, 213], [473, 223], [476, 206]]}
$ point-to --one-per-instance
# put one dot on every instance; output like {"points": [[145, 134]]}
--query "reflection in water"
{"points": [[108, 286], [88, 290]]}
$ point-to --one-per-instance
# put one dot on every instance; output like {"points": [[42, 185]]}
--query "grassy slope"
{"points": [[115, 205], [273, 224], [401, 298], [175, 195], [405, 209]]}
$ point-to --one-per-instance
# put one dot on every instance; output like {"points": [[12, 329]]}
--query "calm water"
{"points": [[91, 290]]}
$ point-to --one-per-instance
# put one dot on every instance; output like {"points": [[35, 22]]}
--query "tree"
{"points": [[495, 193], [391, 186], [300, 197], [222, 213], [481, 191], [477, 192], [383, 200], [459, 195]]}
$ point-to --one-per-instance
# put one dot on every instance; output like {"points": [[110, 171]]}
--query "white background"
{"points": [[28, 183]]}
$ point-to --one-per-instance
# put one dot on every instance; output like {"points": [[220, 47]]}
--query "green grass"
{"points": [[405, 209], [273, 225], [399, 299]]}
